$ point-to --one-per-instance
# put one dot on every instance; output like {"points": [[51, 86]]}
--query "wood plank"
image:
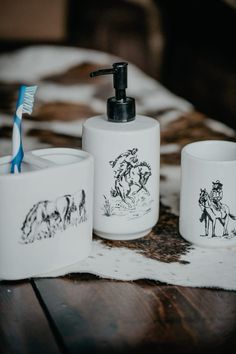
{"points": [[97, 315], [23, 325]]}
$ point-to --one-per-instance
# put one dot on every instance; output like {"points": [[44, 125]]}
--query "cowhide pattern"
{"points": [[75, 75], [163, 243], [49, 137], [61, 111], [56, 121], [187, 129]]}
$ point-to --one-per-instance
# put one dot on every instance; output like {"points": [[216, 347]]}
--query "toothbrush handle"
{"points": [[17, 149]]}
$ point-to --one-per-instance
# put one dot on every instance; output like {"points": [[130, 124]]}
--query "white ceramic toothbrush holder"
{"points": [[45, 213], [208, 193]]}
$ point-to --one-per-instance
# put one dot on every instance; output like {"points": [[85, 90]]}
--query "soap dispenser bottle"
{"points": [[126, 150]]}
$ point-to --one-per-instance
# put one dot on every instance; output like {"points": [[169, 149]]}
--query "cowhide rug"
{"points": [[66, 97]]}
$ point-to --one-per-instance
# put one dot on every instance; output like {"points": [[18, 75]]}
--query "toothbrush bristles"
{"points": [[29, 99]]}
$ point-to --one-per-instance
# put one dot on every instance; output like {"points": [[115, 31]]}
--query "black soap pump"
{"points": [[119, 108], [126, 154]]}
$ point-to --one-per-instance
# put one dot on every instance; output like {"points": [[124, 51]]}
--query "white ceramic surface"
{"points": [[208, 193], [45, 214], [126, 199]]}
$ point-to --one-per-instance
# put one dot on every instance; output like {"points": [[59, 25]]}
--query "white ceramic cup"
{"points": [[45, 213], [208, 193]]}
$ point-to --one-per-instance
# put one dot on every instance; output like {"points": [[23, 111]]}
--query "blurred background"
{"points": [[189, 46]]}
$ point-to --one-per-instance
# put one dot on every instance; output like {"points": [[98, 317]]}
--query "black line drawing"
{"points": [[46, 218], [213, 211], [129, 194]]}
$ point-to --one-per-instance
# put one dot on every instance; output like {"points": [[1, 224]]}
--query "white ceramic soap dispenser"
{"points": [[126, 149]]}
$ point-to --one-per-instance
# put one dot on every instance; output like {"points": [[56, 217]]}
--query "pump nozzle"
{"points": [[119, 108], [101, 72]]}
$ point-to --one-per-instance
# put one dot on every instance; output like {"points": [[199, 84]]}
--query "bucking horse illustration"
{"points": [[130, 175]]}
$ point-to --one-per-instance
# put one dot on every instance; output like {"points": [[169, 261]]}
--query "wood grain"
{"points": [[98, 315], [23, 325]]}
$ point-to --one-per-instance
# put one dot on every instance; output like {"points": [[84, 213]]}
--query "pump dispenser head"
{"points": [[119, 108]]}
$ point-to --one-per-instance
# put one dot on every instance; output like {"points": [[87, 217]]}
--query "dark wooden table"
{"points": [[84, 314]]}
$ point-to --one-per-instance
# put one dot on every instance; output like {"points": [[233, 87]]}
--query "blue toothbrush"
{"points": [[25, 104]]}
